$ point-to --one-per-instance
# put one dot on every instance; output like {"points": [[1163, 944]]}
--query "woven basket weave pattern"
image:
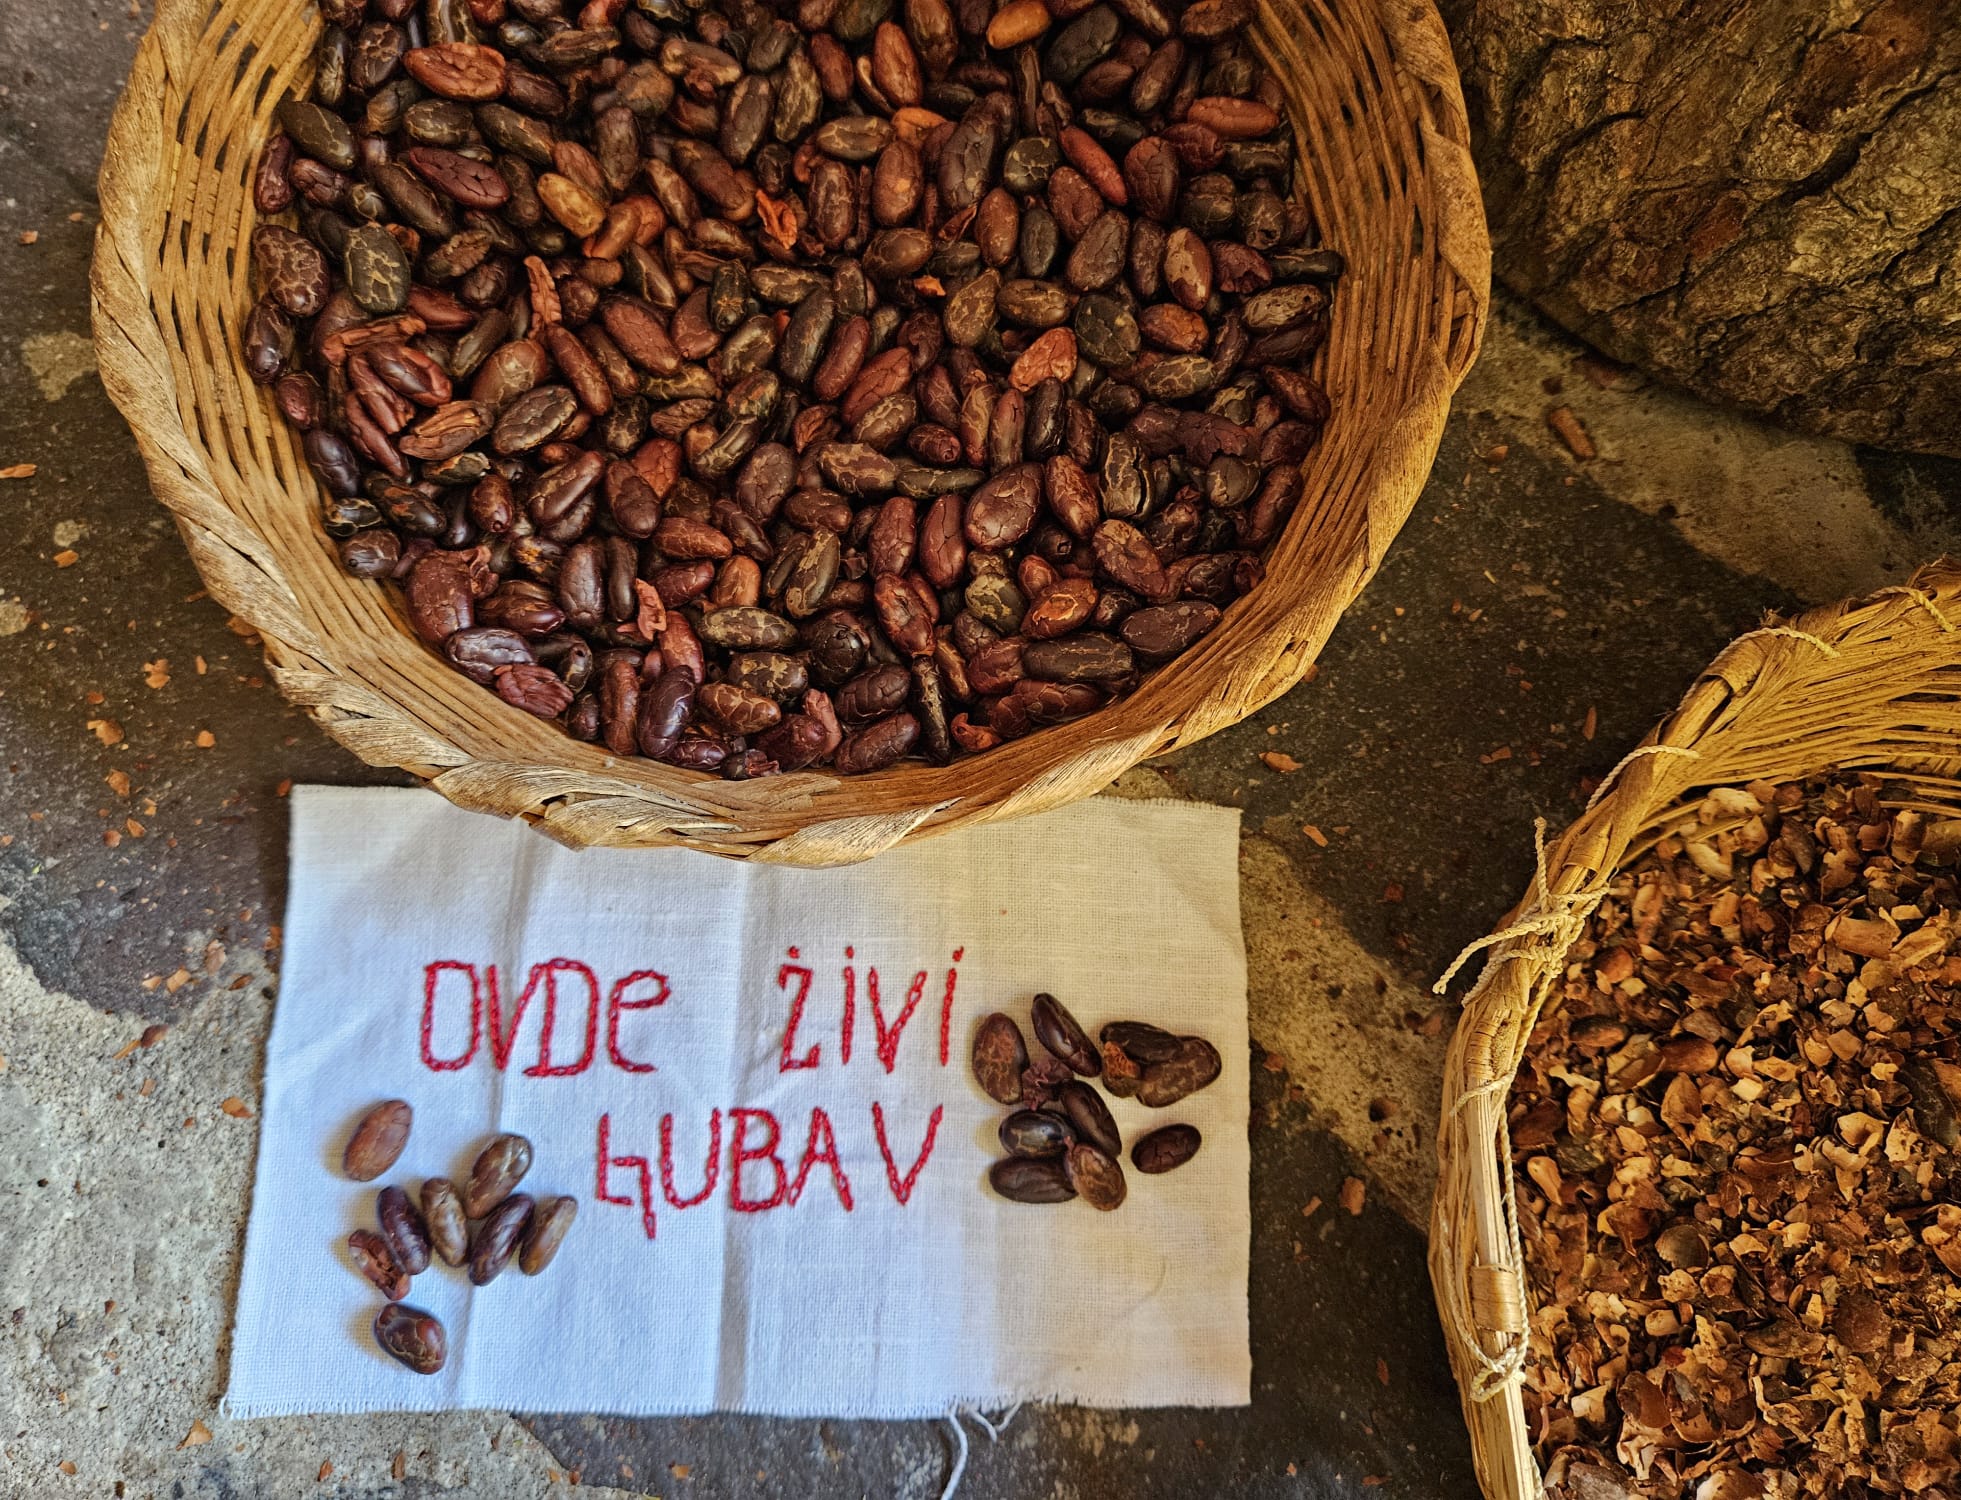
{"points": [[1385, 165], [1873, 686]]}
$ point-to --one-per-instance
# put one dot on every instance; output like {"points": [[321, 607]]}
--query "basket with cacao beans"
{"points": [[755, 388]]}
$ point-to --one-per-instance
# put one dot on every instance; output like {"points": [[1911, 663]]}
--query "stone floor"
{"points": [[1536, 616]]}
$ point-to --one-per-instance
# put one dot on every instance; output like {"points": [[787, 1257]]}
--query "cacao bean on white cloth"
{"points": [[756, 1082]]}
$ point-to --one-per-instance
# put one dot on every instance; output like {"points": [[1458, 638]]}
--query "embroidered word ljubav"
{"points": [[760, 1174]]}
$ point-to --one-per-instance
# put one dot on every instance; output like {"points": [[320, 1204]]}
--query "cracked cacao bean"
{"points": [[1165, 1148], [374, 1260], [1096, 1176], [1000, 1055], [412, 1336], [1191, 1067]]}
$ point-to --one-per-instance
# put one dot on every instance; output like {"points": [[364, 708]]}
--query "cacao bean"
{"points": [[497, 1171], [498, 1237], [1059, 1031], [1195, 1064], [378, 1140], [551, 1220], [374, 1260], [411, 1336], [1025, 1179], [1095, 1175], [1032, 1133], [403, 1229], [1165, 1148], [442, 1216]]}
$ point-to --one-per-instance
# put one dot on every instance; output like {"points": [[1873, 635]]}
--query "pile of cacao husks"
{"points": [[1738, 1164]]}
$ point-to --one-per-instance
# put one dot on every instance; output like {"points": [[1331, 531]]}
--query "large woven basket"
{"points": [[1872, 686], [1385, 166]]}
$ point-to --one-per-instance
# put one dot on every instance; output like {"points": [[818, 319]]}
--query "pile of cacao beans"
{"points": [[1062, 1141], [758, 387], [507, 1225]]}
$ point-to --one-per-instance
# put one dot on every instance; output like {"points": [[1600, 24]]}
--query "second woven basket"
{"points": [[1871, 686]]}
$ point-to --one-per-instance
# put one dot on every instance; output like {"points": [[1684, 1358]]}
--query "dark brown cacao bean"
{"points": [[1096, 1176], [1060, 1032], [403, 1229], [1000, 1055], [1088, 1115], [1025, 1179], [1165, 1148], [1033, 1133], [412, 1336], [1195, 1064], [498, 1237]]}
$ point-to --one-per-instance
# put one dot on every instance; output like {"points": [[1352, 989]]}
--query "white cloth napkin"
{"points": [[927, 1293]]}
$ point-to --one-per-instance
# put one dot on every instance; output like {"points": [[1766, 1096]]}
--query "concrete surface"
{"points": [[1537, 615]]}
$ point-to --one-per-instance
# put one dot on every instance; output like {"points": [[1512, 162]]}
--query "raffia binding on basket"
{"points": [[1872, 685], [1385, 164]]}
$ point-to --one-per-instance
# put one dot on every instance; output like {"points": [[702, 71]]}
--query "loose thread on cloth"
{"points": [[993, 1430], [959, 1458]]}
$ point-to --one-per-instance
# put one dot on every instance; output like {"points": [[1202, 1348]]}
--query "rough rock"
{"points": [[1759, 200]]}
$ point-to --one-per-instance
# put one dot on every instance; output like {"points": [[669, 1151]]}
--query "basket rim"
{"points": [[1475, 1258], [580, 796]]}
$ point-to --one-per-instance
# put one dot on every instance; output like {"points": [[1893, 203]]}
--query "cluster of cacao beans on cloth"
{"points": [[483, 1225], [756, 389], [1062, 1141]]}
